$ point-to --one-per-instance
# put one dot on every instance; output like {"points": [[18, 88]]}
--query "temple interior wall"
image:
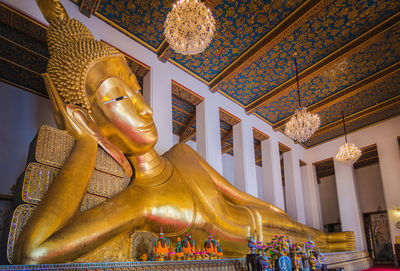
{"points": [[370, 190], [370, 193], [384, 135], [329, 200], [22, 113]]}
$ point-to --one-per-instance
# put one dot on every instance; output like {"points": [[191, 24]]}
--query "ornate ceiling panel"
{"points": [[326, 28], [240, 24], [347, 51], [345, 71], [143, 20]]}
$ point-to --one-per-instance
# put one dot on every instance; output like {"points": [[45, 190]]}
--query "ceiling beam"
{"points": [[363, 113], [366, 162], [247, 56], [20, 66], [187, 127], [181, 110], [23, 47], [188, 137], [162, 50], [227, 137], [347, 92], [328, 170], [180, 123], [226, 149], [368, 159], [266, 98]]}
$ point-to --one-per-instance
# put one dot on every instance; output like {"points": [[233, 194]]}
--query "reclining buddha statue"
{"points": [[96, 98]]}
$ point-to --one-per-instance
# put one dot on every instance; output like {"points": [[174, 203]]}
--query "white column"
{"points": [[293, 186], [271, 171], [389, 163], [157, 93], [350, 214], [208, 135], [244, 161], [312, 204]]}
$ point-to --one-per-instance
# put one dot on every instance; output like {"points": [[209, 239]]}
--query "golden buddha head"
{"points": [[99, 90]]}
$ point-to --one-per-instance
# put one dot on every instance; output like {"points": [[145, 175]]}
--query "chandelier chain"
{"points": [[302, 124], [297, 80], [344, 127]]}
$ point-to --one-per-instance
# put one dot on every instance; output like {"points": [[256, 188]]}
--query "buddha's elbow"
{"points": [[24, 255]]}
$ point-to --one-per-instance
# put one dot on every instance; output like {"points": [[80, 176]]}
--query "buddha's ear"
{"points": [[77, 121], [71, 118]]}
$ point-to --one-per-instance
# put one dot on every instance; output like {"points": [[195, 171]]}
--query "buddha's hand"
{"points": [[72, 118]]}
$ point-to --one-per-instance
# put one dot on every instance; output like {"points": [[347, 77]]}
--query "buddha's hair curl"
{"points": [[73, 50]]}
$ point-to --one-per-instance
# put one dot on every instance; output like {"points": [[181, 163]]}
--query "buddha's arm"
{"points": [[56, 231], [63, 199], [232, 193]]}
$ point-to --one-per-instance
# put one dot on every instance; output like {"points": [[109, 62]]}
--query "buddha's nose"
{"points": [[145, 111]]}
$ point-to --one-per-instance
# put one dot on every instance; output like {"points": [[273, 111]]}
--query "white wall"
{"points": [[227, 168], [385, 136], [21, 115], [329, 200], [369, 188], [260, 182]]}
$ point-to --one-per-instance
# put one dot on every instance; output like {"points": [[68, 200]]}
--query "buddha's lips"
{"points": [[146, 128]]}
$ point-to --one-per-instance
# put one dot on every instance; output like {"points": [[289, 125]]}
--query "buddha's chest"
{"points": [[170, 206]]}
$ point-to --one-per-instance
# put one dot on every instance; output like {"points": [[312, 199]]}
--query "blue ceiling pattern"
{"points": [[239, 25], [340, 46], [141, 19], [349, 69], [326, 28], [375, 94]]}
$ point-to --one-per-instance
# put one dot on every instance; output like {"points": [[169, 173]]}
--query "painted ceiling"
{"points": [[348, 52]]}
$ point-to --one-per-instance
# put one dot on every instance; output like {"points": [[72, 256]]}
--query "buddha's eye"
{"points": [[116, 99]]}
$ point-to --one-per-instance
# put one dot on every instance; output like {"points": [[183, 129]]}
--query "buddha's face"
{"points": [[118, 108]]}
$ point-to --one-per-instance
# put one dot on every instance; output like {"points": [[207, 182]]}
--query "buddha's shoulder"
{"points": [[182, 151], [181, 148]]}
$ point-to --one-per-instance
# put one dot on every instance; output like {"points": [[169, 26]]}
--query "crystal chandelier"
{"points": [[303, 124], [348, 152], [189, 27]]}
